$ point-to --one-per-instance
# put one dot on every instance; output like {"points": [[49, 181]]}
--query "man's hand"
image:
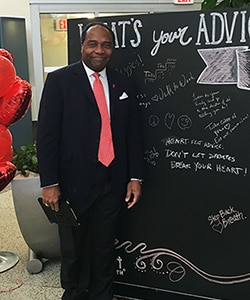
{"points": [[51, 196], [133, 193]]}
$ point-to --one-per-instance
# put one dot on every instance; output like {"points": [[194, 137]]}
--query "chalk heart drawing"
{"points": [[155, 98], [218, 227], [169, 120], [166, 262]]}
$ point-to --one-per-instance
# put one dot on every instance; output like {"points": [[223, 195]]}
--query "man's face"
{"points": [[97, 48]]}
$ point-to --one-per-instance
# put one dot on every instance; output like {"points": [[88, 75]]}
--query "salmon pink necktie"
{"points": [[106, 149]]}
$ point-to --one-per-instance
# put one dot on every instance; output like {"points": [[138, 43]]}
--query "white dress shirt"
{"points": [[104, 80]]}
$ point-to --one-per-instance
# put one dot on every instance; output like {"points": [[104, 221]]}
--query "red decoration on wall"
{"points": [[7, 173], [7, 75], [5, 142], [6, 54], [15, 100]]}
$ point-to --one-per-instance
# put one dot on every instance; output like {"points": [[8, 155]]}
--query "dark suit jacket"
{"points": [[68, 133]]}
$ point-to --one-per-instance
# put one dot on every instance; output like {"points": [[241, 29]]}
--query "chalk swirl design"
{"points": [[175, 270]]}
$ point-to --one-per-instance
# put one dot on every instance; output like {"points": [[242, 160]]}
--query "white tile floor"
{"points": [[46, 284]]}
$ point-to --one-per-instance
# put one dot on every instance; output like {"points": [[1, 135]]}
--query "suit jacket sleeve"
{"points": [[48, 131]]}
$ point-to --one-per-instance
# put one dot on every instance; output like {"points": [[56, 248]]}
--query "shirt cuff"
{"points": [[48, 186], [137, 179]]}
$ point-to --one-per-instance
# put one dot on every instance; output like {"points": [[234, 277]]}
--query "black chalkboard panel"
{"points": [[189, 235]]}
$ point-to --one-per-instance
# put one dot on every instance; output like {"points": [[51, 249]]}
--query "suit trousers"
{"points": [[87, 251]]}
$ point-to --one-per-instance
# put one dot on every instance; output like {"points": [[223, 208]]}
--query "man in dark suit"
{"points": [[68, 140]]}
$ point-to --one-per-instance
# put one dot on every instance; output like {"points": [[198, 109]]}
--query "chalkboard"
{"points": [[189, 235]]}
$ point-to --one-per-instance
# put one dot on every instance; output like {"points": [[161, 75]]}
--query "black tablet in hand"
{"points": [[65, 215]]}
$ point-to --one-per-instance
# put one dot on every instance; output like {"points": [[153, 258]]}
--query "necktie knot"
{"points": [[96, 75]]}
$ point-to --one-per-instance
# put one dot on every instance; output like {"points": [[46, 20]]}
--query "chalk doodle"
{"points": [[161, 70], [169, 120], [154, 120], [226, 65], [166, 262], [184, 122], [150, 156], [120, 269]]}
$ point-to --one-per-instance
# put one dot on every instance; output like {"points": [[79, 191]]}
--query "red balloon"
{"points": [[16, 102], [9, 155], [5, 142], [7, 173], [5, 134], [6, 54], [7, 75]]}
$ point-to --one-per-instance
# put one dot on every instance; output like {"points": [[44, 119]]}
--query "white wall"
{"points": [[14, 8]]}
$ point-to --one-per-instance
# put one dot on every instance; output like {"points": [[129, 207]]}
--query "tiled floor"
{"points": [[46, 284], [42, 286]]}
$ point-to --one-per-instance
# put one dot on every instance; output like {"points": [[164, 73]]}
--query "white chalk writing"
{"points": [[170, 89], [209, 104], [223, 128], [170, 37], [225, 218]]}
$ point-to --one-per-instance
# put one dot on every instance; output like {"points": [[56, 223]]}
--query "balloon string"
{"points": [[19, 284]]}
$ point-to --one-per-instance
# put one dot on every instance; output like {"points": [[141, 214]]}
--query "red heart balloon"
{"points": [[7, 75], [5, 142], [7, 173], [7, 54], [5, 134], [8, 155], [16, 102]]}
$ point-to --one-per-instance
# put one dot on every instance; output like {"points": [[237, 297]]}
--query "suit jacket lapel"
{"points": [[83, 82], [112, 90], [85, 87]]}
